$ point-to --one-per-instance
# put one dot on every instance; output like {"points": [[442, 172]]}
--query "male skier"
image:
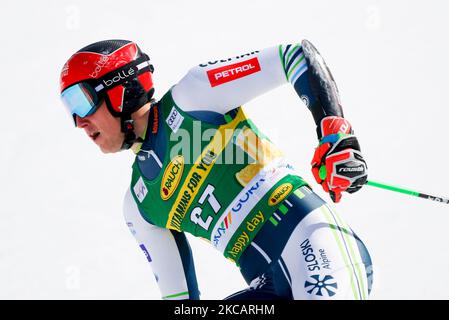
{"points": [[203, 167]]}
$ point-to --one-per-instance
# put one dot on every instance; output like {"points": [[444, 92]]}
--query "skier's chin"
{"points": [[106, 148]]}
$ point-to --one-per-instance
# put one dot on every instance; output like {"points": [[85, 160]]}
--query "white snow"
{"points": [[62, 234]]}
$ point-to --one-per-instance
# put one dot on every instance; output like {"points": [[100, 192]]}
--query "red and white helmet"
{"points": [[114, 71]]}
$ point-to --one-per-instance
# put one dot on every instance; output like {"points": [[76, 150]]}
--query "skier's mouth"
{"points": [[94, 135]]}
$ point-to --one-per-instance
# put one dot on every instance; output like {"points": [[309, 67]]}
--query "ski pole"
{"points": [[407, 191]]}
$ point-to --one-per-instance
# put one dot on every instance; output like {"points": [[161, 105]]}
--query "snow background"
{"points": [[62, 233]]}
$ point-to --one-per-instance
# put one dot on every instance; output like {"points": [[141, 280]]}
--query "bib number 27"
{"points": [[208, 195]]}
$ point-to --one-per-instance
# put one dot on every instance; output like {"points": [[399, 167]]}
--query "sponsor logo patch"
{"points": [[244, 239], [280, 194], [242, 202], [131, 228], [174, 119], [145, 251], [190, 189], [241, 206], [211, 63], [172, 176], [232, 72], [306, 100], [140, 190], [155, 120], [318, 285]]}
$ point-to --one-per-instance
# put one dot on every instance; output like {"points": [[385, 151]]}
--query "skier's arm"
{"points": [[167, 251], [223, 85]]}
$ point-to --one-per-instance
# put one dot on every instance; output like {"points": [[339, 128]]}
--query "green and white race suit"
{"points": [[206, 169]]}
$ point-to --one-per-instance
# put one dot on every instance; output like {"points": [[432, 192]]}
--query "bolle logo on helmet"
{"points": [[98, 66], [280, 194], [172, 176], [122, 75]]}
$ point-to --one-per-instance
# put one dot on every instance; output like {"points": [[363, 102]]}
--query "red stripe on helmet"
{"points": [[116, 97], [145, 80], [89, 65]]}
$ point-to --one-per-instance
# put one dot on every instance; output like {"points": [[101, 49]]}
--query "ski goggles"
{"points": [[81, 100], [84, 98]]}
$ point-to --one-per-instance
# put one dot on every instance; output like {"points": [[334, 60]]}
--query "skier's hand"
{"points": [[338, 164]]}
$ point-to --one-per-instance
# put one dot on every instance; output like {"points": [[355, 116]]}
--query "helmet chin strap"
{"points": [[127, 125]]}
